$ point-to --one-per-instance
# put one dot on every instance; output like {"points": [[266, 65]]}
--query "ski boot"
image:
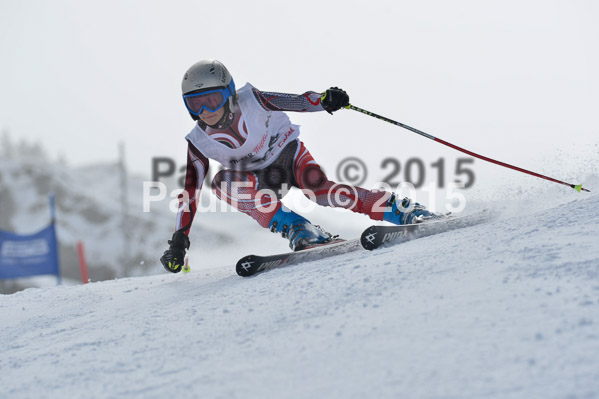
{"points": [[405, 212], [300, 232]]}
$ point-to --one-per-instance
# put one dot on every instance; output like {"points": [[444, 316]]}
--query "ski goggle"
{"points": [[211, 100]]}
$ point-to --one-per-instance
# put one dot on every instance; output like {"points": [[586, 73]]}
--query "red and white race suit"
{"points": [[261, 149]]}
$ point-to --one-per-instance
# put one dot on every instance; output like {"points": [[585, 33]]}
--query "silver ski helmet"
{"points": [[208, 85]]}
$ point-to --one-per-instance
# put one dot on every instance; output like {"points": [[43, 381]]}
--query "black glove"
{"points": [[173, 258], [334, 99]]}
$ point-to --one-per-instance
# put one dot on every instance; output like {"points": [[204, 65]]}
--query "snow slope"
{"points": [[509, 309]]}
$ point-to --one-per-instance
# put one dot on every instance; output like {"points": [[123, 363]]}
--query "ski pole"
{"points": [[577, 187], [186, 268]]}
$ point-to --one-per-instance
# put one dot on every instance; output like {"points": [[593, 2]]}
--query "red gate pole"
{"points": [[82, 264]]}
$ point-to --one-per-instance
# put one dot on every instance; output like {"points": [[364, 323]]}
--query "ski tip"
{"points": [[244, 266], [368, 239]]}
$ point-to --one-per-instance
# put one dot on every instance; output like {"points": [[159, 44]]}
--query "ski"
{"points": [[253, 264], [377, 236], [372, 238]]}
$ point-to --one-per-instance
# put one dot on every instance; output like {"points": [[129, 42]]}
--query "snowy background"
{"points": [[508, 309]]}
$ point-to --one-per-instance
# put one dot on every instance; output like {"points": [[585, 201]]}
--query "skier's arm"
{"points": [[197, 165], [331, 100], [271, 101]]}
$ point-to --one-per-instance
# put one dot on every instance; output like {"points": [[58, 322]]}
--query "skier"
{"points": [[248, 132]]}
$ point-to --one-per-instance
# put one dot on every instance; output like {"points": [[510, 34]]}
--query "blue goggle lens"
{"points": [[211, 100]]}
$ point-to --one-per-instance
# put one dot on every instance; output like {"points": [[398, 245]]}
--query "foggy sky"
{"points": [[507, 78]]}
